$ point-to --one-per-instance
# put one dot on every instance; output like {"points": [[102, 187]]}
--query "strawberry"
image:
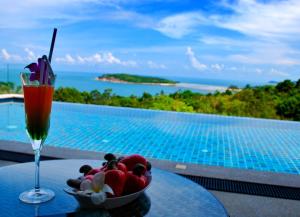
{"points": [[90, 177], [122, 167], [132, 160], [94, 171], [135, 181], [116, 180], [113, 165], [104, 167]]}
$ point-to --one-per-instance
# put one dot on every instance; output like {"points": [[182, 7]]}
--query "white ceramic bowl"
{"points": [[110, 203]]}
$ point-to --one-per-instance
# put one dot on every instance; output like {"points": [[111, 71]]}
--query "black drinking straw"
{"points": [[52, 44]]}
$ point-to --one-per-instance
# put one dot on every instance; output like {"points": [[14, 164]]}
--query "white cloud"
{"points": [[224, 41], [258, 71], [130, 63], [179, 25], [233, 68], [111, 59], [271, 20], [5, 54], [64, 12], [96, 58], [80, 59], [58, 12], [10, 57], [154, 65], [275, 72], [217, 67], [255, 51], [274, 19], [66, 59], [30, 54], [104, 58], [194, 61], [69, 58], [139, 20], [258, 56], [270, 29]]}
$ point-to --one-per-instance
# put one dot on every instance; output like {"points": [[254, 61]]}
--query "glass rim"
{"points": [[32, 83]]}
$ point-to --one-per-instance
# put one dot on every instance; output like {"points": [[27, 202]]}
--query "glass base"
{"points": [[34, 197]]}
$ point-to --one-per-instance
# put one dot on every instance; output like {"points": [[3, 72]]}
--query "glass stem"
{"points": [[37, 154]]}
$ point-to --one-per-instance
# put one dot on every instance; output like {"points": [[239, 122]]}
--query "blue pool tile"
{"points": [[247, 143]]}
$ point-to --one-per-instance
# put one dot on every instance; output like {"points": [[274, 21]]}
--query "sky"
{"points": [[252, 40]]}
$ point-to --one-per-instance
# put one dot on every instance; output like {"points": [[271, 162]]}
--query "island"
{"points": [[136, 79], [149, 80]]}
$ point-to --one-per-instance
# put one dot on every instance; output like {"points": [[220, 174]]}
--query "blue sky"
{"points": [[226, 39]]}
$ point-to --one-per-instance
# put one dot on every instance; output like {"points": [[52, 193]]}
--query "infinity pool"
{"points": [[245, 143]]}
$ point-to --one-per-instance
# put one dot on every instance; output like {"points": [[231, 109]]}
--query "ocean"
{"points": [[85, 81]]}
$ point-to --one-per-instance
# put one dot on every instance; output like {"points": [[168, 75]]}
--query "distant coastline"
{"points": [[115, 80], [204, 87], [129, 78]]}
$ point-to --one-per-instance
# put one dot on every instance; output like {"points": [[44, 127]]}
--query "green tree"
{"points": [[290, 108], [96, 97], [248, 86], [107, 94], [87, 98], [285, 86], [7, 87], [233, 87], [68, 95], [298, 84], [163, 102], [281, 101]]}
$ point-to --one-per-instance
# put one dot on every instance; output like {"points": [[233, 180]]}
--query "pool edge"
{"points": [[22, 152]]}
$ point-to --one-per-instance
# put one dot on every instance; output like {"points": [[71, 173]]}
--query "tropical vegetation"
{"points": [[281, 101], [9, 87], [277, 102]]}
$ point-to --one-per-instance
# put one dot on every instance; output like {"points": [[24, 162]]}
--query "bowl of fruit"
{"points": [[117, 182]]}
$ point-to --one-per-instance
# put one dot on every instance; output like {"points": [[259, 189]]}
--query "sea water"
{"points": [[86, 81]]}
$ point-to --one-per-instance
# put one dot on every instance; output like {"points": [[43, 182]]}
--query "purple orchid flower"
{"points": [[41, 71], [33, 67]]}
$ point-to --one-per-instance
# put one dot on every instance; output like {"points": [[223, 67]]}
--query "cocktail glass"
{"points": [[37, 103]]}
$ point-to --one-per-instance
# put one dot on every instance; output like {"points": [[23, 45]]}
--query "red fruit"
{"points": [[122, 167], [134, 183], [132, 160], [114, 165], [116, 180], [94, 171], [103, 168], [135, 180], [90, 177]]}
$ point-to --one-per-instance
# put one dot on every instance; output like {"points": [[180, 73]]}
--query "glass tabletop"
{"points": [[169, 194]]}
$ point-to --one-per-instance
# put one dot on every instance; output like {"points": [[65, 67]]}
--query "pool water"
{"points": [[245, 143]]}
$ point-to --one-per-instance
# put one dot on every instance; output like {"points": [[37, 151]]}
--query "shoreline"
{"points": [[114, 80], [194, 86]]}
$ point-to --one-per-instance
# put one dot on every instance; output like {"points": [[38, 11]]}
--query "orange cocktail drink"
{"points": [[38, 88], [38, 101]]}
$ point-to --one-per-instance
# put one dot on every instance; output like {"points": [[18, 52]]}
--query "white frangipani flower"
{"points": [[96, 187]]}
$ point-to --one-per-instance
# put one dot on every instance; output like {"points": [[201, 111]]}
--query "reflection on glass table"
{"points": [[168, 195]]}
